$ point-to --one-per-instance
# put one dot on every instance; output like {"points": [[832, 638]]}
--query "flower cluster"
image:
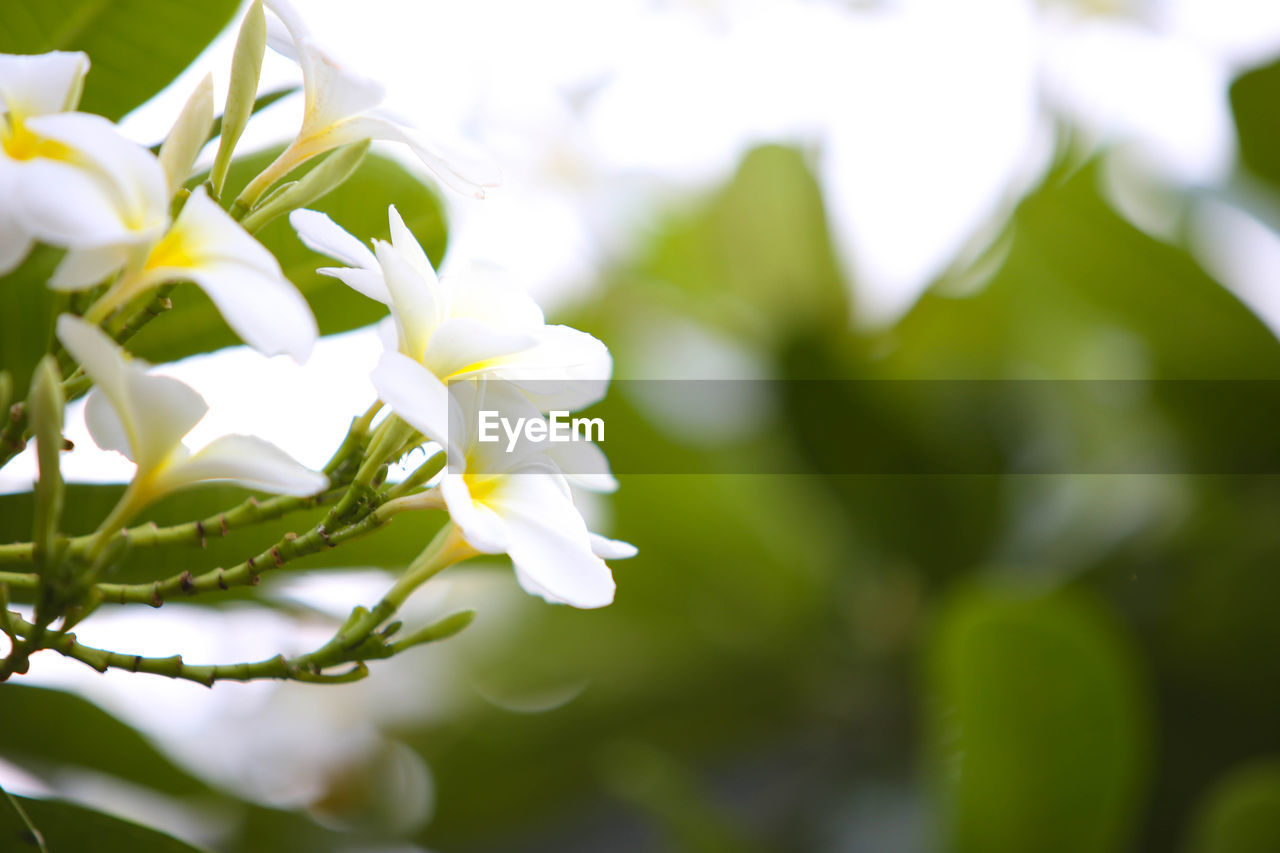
{"points": [[130, 222]]}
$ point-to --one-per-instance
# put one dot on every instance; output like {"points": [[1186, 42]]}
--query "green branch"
{"points": [[252, 511], [248, 573]]}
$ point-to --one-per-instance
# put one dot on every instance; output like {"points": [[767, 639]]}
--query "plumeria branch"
{"points": [[357, 641]]}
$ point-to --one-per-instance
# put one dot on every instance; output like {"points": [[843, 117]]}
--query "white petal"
{"points": [[462, 347], [468, 398], [368, 283], [334, 92], [488, 293], [241, 277], [280, 39], [321, 234], [408, 246], [584, 464], [71, 207], [293, 23], [612, 549], [480, 525], [460, 173], [40, 84], [15, 240], [105, 426], [266, 311], [246, 460], [414, 299], [137, 180], [207, 232], [549, 544], [83, 268], [154, 412], [568, 369], [413, 393]]}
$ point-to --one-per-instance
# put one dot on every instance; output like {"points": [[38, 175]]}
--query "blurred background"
{"points": [[818, 661]]}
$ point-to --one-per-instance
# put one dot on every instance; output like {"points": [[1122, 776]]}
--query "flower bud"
{"points": [[246, 67], [47, 401], [189, 134], [441, 630], [308, 189]]}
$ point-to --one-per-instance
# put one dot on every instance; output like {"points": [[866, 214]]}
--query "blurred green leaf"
{"points": [[46, 731], [1039, 724], [1254, 96], [1241, 813], [136, 47], [27, 310], [756, 258], [359, 205], [1082, 294], [68, 828]]}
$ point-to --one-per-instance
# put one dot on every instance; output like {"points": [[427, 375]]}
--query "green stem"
{"points": [[278, 667], [34, 838], [248, 573]]}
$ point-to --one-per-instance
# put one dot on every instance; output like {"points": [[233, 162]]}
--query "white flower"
{"points": [[477, 324], [518, 502], [32, 87], [145, 418], [343, 107], [206, 246], [71, 180]]}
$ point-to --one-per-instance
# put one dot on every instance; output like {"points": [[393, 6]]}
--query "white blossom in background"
{"points": [[146, 417], [342, 107]]}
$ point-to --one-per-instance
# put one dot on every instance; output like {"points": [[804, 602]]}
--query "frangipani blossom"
{"points": [[145, 418], [516, 503], [205, 246], [69, 179], [342, 107], [477, 324]]}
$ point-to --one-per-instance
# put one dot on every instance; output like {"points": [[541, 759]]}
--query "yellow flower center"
{"points": [[481, 486], [171, 251], [21, 144]]}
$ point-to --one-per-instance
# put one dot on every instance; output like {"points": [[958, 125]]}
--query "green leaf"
{"points": [[136, 47], [1241, 813], [67, 827], [1038, 720], [48, 730], [1254, 96], [1082, 294], [27, 309], [359, 205], [757, 255]]}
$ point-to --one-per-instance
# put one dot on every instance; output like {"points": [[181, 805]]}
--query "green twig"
{"points": [[33, 834]]}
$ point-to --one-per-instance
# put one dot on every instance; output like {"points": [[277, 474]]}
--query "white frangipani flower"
{"points": [[71, 180], [343, 107], [515, 502], [32, 87], [477, 324], [206, 246], [145, 417]]}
